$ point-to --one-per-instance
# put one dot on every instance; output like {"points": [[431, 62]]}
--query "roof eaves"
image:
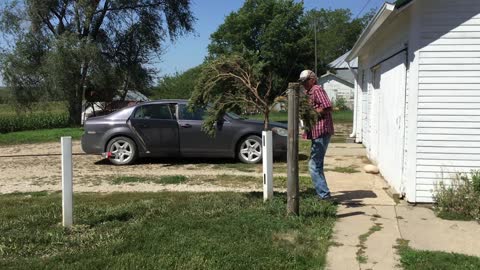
{"points": [[338, 77], [401, 3], [379, 18]]}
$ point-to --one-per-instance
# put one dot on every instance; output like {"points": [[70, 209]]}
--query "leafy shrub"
{"points": [[460, 199], [178, 85], [33, 121], [341, 104]]}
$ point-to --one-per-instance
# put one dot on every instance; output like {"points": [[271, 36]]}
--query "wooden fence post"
{"points": [[292, 150]]}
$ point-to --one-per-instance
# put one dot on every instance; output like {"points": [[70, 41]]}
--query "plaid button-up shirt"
{"points": [[319, 99]]}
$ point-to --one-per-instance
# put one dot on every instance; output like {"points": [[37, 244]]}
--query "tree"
{"points": [[178, 85], [231, 82], [337, 32], [273, 30], [62, 48]]}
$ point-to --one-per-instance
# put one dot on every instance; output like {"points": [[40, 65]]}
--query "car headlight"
{"points": [[280, 131]]}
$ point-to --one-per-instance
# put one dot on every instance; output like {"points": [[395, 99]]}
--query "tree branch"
{"points": [[133, 7], [77, 18], [50, 26], [99, 21]]}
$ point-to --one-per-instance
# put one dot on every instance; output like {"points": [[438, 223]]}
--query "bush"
{"points": [[460, 199], [178, 85], [33, 121], [341, 104]]}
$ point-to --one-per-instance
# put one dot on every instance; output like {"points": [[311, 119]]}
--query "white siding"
{"points": [[405, 141], [392, 38], [336, 88], [448, 136]]}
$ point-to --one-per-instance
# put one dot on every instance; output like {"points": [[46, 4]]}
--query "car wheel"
{"points": [[123, 151], [250, 149]]}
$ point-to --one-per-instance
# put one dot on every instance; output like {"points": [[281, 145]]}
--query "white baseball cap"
{"points": [[306, 74]]}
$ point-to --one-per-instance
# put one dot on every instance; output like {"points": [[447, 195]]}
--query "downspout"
{"points": [[355, 99]]}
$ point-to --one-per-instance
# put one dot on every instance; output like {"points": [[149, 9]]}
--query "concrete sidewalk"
{"points": [[370, 223]]}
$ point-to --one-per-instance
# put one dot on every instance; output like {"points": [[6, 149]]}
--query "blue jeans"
{"points": [[315, 165]]}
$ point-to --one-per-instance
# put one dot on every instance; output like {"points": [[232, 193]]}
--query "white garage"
{"points": [[417, 97]]}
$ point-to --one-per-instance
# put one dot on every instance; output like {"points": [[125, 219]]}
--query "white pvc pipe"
{"points": [[355, 100], [267, 156], [67, 177]]}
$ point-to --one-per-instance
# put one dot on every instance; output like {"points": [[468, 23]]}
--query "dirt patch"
{"points": [[37, 167]]}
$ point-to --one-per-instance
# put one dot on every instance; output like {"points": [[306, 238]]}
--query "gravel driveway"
{"points": [[37, 167]]}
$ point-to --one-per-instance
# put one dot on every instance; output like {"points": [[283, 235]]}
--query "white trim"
{"points": [[377, 21], [355, 100], [411, 155]]}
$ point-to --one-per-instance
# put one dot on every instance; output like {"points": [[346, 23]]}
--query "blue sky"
{"points": [[189, 51]]}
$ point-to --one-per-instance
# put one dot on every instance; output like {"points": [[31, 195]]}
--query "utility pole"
{"points": [[292, 150]]}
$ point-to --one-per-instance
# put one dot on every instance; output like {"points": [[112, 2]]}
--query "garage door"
{"points": [[391, 118]]}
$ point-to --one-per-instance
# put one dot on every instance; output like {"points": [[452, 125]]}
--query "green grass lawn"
{"points": [[338, 117], [39, 136], [412, 259], [163, 231]]}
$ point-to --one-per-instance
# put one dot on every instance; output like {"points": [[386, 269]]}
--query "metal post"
{"points": [[67, 186], [292, 150]]}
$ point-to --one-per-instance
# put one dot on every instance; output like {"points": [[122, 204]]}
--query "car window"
{"points": [[154, 111], [185, 114]]}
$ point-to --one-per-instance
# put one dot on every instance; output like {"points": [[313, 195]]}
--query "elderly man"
{"points": [[320, 133]]}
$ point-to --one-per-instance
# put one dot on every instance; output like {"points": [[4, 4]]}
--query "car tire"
{"points": [[123, 151], [250, 150]]}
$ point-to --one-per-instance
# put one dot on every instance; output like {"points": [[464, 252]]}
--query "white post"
{"points": [[67, 186], [267, 156]]}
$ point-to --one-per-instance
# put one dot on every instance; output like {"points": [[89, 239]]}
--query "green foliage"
{"points": [[339, 117], [69, 47], [228, 83], [39, 136], [163, 231], [166, 179], [476, 181], [45, 115], [459, 199], [412, 259], [307, 113], [273, 30], [177, 86], [341, 104], [337, 32], [33, 121], [4, 95]]}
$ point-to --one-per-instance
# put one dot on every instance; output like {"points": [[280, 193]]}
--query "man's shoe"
{"points": [[329, 199]]}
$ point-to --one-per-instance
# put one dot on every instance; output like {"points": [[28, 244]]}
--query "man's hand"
{"points": [[322, 111]]}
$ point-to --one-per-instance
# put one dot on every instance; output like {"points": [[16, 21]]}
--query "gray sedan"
{"points": [[166, 128]]}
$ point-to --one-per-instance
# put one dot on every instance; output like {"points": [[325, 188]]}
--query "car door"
{"points": [[195, 142], [158, 127]]}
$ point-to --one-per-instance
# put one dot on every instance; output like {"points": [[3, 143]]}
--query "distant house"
{"points": [[417, 103], [341, 83]]}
